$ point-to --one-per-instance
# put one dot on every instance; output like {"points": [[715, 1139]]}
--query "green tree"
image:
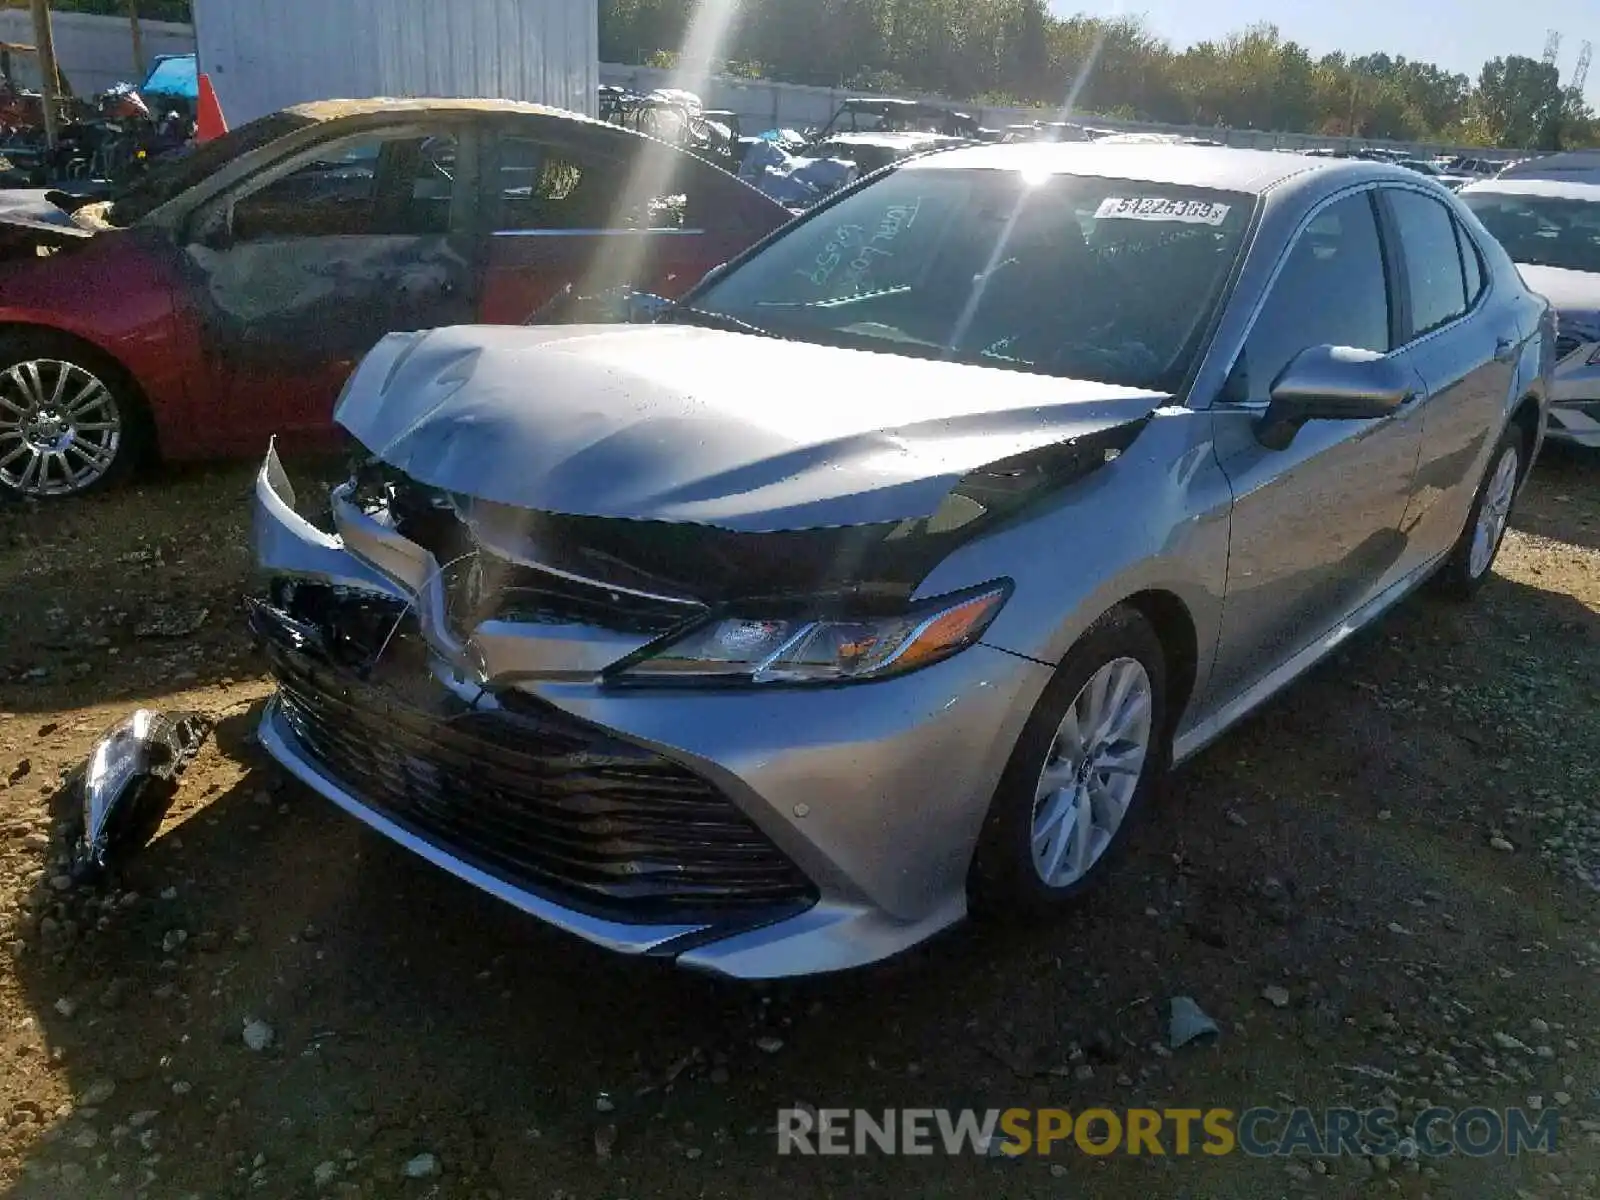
{"points": [[1519, 100], [1017, 50]]}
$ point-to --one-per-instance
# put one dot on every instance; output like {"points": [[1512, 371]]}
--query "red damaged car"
{"points": [[229, 295]]}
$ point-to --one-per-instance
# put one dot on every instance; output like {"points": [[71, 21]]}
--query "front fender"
{"points": [[1154, 520]]}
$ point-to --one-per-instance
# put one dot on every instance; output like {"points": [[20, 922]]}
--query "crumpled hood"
{"points": [[682, 424], [32, 209], [1574, 294]]}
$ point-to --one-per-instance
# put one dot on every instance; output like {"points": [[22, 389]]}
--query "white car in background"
{"points": [[1551, 229]]}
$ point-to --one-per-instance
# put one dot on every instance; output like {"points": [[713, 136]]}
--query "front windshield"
{"points": [[1103, 279], [1542, 231], [166, 181]]}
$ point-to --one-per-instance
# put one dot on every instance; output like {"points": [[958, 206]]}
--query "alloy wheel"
{"points": [[1494, 513], [1092, 772], [60, 428]]}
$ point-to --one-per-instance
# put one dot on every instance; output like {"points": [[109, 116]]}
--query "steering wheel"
{"points": [[438, 167]]}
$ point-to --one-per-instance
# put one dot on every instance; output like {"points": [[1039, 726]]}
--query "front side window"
{"points": [[1542, 231], [1330, 291], [1434, 279], [1084, 277], [374, 186]]}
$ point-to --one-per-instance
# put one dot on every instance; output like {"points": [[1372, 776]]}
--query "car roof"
{"points": [[891, 102], [1220, 167], [1559, 189], [338, 110]]}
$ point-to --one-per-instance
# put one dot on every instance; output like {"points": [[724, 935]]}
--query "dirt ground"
{"points": [[1407, 843]]}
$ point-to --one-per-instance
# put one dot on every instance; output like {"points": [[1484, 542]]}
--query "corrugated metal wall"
{"points": [[265, 55]]}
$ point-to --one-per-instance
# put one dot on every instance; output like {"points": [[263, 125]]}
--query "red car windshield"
{"points": [[169, 180]]}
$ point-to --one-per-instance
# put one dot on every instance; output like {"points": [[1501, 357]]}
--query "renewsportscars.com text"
{"points": [[1255, 1132]]}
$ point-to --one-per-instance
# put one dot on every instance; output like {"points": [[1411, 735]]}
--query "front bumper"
{"points": [[1575, 399], [873, 793]]}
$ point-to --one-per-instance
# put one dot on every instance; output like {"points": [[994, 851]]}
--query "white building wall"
{"points": [[264, 55]]}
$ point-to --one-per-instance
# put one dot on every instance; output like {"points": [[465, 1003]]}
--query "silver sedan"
{"points": [[884, 576]]}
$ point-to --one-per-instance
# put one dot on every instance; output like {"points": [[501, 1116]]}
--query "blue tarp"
{"points": [[174, 75]]}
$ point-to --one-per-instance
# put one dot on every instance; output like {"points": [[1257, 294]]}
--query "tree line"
{"points": [[1016, 52]]}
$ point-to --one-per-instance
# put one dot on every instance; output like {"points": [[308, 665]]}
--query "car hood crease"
{"points": [[691, 425]]}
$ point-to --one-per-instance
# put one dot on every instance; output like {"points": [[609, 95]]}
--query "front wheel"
{"points": [[1088, 758], [67, 424], [1469, 564]]}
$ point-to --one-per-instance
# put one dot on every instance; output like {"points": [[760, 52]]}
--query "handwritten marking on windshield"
{"points": [[832, 255], [896, 220]]}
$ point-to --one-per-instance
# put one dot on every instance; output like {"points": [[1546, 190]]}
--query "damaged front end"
{"points": [[36, 223], [539, 702]]}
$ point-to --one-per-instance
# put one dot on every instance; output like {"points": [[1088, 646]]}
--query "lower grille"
{"points": [[1567, 343], [537, 798]]}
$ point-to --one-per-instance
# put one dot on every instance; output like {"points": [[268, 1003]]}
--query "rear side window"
{"points": [[553, 188], [1434, 280]]}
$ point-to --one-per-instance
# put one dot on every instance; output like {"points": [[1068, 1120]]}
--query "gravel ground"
{"points": [[1383, 888]]}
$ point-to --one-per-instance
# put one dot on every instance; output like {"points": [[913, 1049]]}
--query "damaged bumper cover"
{"points": [[746, 832]]}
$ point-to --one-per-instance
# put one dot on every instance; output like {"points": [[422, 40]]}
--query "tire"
{"points": [[1011, 864], [1471, 562], [70, 423]]}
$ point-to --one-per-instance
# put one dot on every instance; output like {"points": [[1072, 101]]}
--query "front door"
{"points": [[301, 270], [1316, 525]]}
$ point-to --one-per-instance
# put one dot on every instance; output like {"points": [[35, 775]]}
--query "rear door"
{"points": [[300, 270], [1465, 350], [590, 209]]}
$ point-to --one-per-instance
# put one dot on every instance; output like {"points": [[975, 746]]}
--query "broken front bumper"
{"points": [[751, 833], [1575, 400]]}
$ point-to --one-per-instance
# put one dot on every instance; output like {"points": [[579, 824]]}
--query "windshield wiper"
{"points": [[687, 314]]}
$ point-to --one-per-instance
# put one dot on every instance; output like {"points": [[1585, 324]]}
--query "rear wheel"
{"points": [[1470, 563], [1091, 753], [68, 423]]}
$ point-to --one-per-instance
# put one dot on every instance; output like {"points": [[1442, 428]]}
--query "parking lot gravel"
{"points": [[1384, 888]]}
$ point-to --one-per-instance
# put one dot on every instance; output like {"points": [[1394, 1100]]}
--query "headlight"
{"points": [[820, 650], [1594, 359]]}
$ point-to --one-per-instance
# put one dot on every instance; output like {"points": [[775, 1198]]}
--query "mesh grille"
{"points": [[536, 797]]}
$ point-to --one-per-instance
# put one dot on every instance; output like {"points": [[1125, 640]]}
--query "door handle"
{"points": [[1505, 350]]}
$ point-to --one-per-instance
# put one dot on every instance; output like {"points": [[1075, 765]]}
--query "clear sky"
{"points": [[1459, 35]]}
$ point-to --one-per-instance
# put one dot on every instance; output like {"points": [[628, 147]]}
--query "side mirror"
{"points": [[1333, 383]]}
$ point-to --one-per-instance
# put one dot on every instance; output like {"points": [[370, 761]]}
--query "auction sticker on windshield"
{"points": [[1134, 208]]}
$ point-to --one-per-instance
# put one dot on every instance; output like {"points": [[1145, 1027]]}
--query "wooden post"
{"points": [[138, 40], [44, 40]]}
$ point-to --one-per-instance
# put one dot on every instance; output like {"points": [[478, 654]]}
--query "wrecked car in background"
{"points": [[1551, 230], [226, 297], [886, 115], [863, 585], [801, 180]]}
